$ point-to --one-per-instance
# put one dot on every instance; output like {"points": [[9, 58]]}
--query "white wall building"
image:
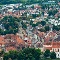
{"points": [[53, 46]]}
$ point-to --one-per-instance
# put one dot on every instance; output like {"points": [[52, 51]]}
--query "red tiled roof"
{"points": [[49, 36], [19, 40], [10, 48], [41, 34], [52, 45], [14, 37], [56, 45], [11, 40], [2, 40], [47, 39]]}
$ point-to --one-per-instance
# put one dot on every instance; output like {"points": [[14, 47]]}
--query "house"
{"points": [[28, 41], [11, 42], [50, 36], [2, 43], [1, 16], [49, 3], [46, 15]]}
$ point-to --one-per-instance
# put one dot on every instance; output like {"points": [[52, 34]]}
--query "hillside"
{"points": [[11, 1], [22, 1]]}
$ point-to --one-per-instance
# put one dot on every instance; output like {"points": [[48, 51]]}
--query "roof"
{"points": [[19, 40], [41, 34], [2, 42], [14, 38], [50, 36], [52, 44], [56, 45], [58, 38], [10, 48]]}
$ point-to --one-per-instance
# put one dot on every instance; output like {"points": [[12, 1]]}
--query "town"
{"points": [[37, 26]]}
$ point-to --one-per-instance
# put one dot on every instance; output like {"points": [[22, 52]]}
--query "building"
{"points": [[53, 46], [49, 3], [11, 42]]}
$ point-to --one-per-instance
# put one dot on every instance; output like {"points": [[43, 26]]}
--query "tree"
{"points": [[6, 56], [1, 53], [47, 53], [47, 28], [55, 28], [37, 23], [30, 54], [10, 24], [21, 55], [1, 31], [24, 26], [25, 54], [32, 7], [53, 55], [43, 23], [52, 12], [33, 25], [42, 30], [31, 22], [13, 55]]}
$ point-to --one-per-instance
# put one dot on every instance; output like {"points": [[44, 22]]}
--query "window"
{"points": [[58, 50], [58, 55], [53, 49]]}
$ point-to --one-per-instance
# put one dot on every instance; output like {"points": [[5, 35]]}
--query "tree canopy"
{"points": [[9, 24], [53, 55], [47, 53], [25, 54]]}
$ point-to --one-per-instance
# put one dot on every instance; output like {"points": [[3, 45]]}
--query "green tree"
{"points": [[21, 55], [33, 25], [6, 56], [47, 28], [42, 30], [47, 53], [1, 53], [24, 26], [55, 28], [53, 55], [13, 54], [25, 54], [31, 22], [1, 31], [52, 12], [43, 23], [10, 25], [37, 23], [32, 53]]}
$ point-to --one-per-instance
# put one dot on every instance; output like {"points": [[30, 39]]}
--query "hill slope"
{"points": [[22, 1]]}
